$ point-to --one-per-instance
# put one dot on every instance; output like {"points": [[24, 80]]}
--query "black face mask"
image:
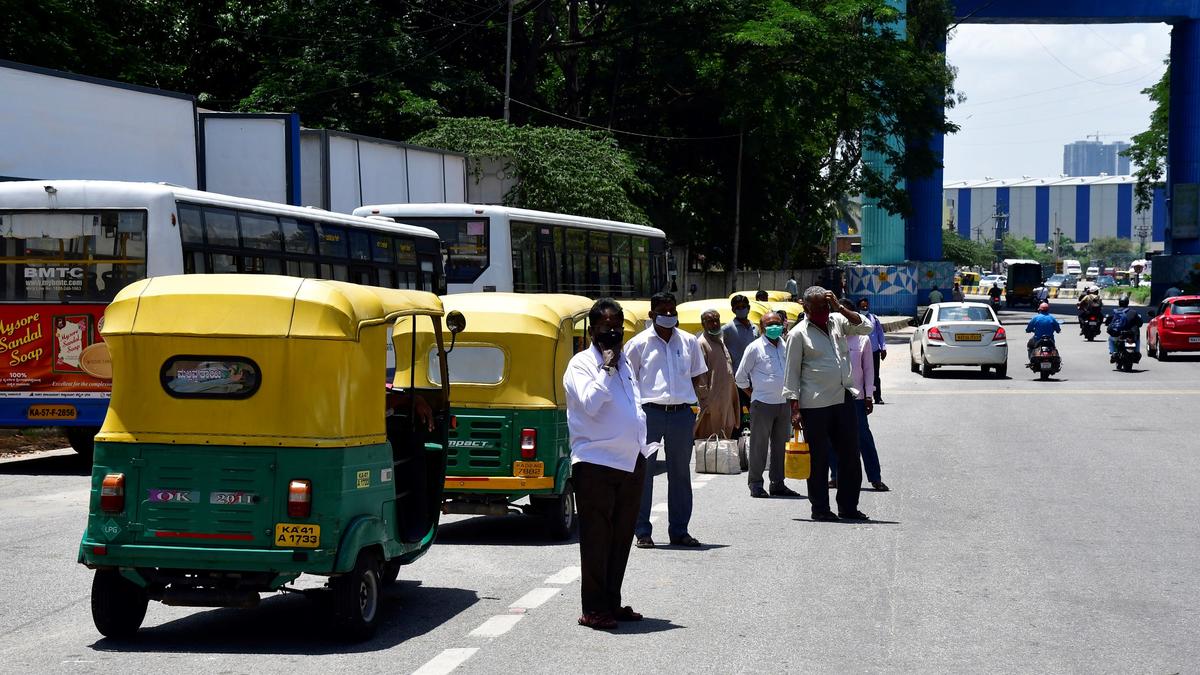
{"points": [[609, 339]]}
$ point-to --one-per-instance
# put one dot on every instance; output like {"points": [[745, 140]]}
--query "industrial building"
{"points": [[1081, 208]]}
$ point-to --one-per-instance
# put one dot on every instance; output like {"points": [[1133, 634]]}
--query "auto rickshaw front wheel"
{"points": [[356, 597], [558, 512], [118, 604]]}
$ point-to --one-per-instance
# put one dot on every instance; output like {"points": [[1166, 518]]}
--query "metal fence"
{"points": [[717, 284]]}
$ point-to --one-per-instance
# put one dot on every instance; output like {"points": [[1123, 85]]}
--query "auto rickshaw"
{"points": [[793, 310], [248, 442], [637, 316], [689, 312], [772, 296], [510, 437]]}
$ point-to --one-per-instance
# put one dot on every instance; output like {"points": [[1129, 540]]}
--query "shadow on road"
{"points": [[57, 465], [291, 624], [646, 625], [510, 530], [964, 374], [849, 522]]}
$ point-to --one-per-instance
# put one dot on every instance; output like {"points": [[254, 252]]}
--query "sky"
{"points": [[1031, 89]]}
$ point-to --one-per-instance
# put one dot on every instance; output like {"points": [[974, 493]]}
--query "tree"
{"points": [[1113, 251], [965, 252], [563, 170], [1026, 249], [1149, 148]]}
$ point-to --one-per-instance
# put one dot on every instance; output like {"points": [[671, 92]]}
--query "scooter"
{"points": [[1044, 359], [1090, 325], [1127, 351]]}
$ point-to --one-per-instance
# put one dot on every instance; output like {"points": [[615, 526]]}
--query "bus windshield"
{"points": [[70, 256]]}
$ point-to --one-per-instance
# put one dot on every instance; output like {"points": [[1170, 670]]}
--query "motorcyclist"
{"points": [[1041, 294], [994, 294], [1132, 322], [1042, 325], [1090, 303]]}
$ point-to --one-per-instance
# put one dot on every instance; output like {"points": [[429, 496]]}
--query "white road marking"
{"points": [[497, 625], [653, 519], [1115, 391], [661, 508], [697, 484], [447, 661], [564, 576], [704, 477], [535, 598]]}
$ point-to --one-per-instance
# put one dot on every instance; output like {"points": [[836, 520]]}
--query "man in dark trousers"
{"points": [[608, 463], [820, 386], [878, 342]]}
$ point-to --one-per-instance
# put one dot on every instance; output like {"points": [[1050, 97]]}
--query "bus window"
{"points": [[622, 273], [524, 257], [465, 241], [381, 249], [260, 231], [298, 237], [223, 263], [406, 252], [191, 228], [256, 264], [335, 272], [331, 241], [387, 277], [641, 266], [598, 257], [360, 245], [575, 261], [302, 268], [220, 226]]}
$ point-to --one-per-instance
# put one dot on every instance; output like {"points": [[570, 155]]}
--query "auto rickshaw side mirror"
{"points": [[457, 323]]}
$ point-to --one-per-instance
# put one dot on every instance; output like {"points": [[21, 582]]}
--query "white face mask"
{"points": [[664, 321]]}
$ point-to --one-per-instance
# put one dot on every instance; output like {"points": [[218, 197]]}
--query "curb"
{"points": [[39, 454], [891, 324]]}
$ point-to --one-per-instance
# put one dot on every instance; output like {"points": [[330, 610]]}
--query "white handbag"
{"points": [[717, 455]]}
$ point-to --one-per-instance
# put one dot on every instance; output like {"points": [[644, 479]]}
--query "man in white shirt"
{"points": [[760, 376], [608, 463], [820, 386], [667, 365]]}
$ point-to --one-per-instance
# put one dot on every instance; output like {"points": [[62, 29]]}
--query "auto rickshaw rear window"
{"points": [[192, 376], [470, 364]]}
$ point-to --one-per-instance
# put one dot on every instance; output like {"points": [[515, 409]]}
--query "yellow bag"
{"points": [[797, 463]]}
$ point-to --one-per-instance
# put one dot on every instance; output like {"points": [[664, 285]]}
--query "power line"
{"points": [[619, 131], [1074, 84], [1060, 62]]}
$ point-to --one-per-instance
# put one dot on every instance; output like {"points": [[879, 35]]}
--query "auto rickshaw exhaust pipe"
{"points": [[208, 597]]}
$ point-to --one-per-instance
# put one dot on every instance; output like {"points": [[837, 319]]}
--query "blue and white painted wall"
{"points": [[1082, 208]]}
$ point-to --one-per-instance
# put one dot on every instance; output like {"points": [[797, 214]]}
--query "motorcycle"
{"points": [[1127, 351], [1044, 359], [1090, 325]]}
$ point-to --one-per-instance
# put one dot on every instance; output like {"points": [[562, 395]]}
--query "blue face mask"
{"points": [[664, 321], [773, 332]]}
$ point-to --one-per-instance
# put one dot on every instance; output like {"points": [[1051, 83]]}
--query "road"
{"points": [[1032, 526]]}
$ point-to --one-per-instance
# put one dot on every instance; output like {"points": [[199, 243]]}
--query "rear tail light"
{"points": [[454, 422], [112, 493], [935, 334], [1168, 322], [1000, 335], [299, 498], [528, 443]]}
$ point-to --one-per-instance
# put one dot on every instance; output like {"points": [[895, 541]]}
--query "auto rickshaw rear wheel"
{"points": [[558, 511], [118, 604], [356, 598]]}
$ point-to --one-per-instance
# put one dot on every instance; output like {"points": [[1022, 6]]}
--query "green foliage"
{"points": [[1149, 148], [1113, 251], [1026, 248], [564, 170], [965, 252]]}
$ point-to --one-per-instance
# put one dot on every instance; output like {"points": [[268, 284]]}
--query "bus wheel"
{"points": [[559, 512], [356, 598], [82, 440], [118, 604]]}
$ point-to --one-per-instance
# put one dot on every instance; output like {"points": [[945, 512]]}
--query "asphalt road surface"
{"points": [[1033, 526]]}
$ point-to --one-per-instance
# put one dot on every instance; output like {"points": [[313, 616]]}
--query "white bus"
{"points": [[498, 248], [68, 246]]}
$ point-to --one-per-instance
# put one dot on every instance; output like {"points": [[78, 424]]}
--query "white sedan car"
{"points": [[959, 334]]}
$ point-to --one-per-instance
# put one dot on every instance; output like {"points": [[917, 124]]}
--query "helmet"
{"points": [[1123, 300], [1044, 307]]}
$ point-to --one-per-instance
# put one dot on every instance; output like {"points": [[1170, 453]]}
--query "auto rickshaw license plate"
{"points": [[297, 536], [528, 469]]}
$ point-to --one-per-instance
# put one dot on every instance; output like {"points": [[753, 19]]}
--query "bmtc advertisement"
{"points": [[52, 352]]}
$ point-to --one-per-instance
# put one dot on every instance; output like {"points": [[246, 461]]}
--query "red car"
{"points": [[1175, 327]]}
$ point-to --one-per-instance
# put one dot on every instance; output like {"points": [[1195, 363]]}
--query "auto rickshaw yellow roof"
{"points": [[517, 314], [258, 305], [689, 312], [773, 296]]}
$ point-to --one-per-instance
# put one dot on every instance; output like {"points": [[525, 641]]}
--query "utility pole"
{"points": [[1143, 231], [508, 62], [1057, 237], [737, 212], [1001, 219]]}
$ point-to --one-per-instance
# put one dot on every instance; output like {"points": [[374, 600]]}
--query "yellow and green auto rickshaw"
{"points": [[793, 310], [637, 316], [772, 296], [249, 441], [689, 312], [509, 440]]}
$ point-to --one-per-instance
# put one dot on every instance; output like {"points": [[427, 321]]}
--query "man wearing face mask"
{"points": [[716, 393], [820, 386], [737, 335], [667, 367], [608, 463], [760, 376]]}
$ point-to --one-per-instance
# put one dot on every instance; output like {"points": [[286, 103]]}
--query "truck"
{"points": [[1023, 277]]}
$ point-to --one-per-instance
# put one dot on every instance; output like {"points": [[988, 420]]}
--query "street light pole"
{"points": [[1143, 231], [508, 61]]}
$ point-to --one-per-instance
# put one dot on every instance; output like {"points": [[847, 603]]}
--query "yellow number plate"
{"points": [[292, 535], [44, 411], [968, 337], [528, 469]]}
